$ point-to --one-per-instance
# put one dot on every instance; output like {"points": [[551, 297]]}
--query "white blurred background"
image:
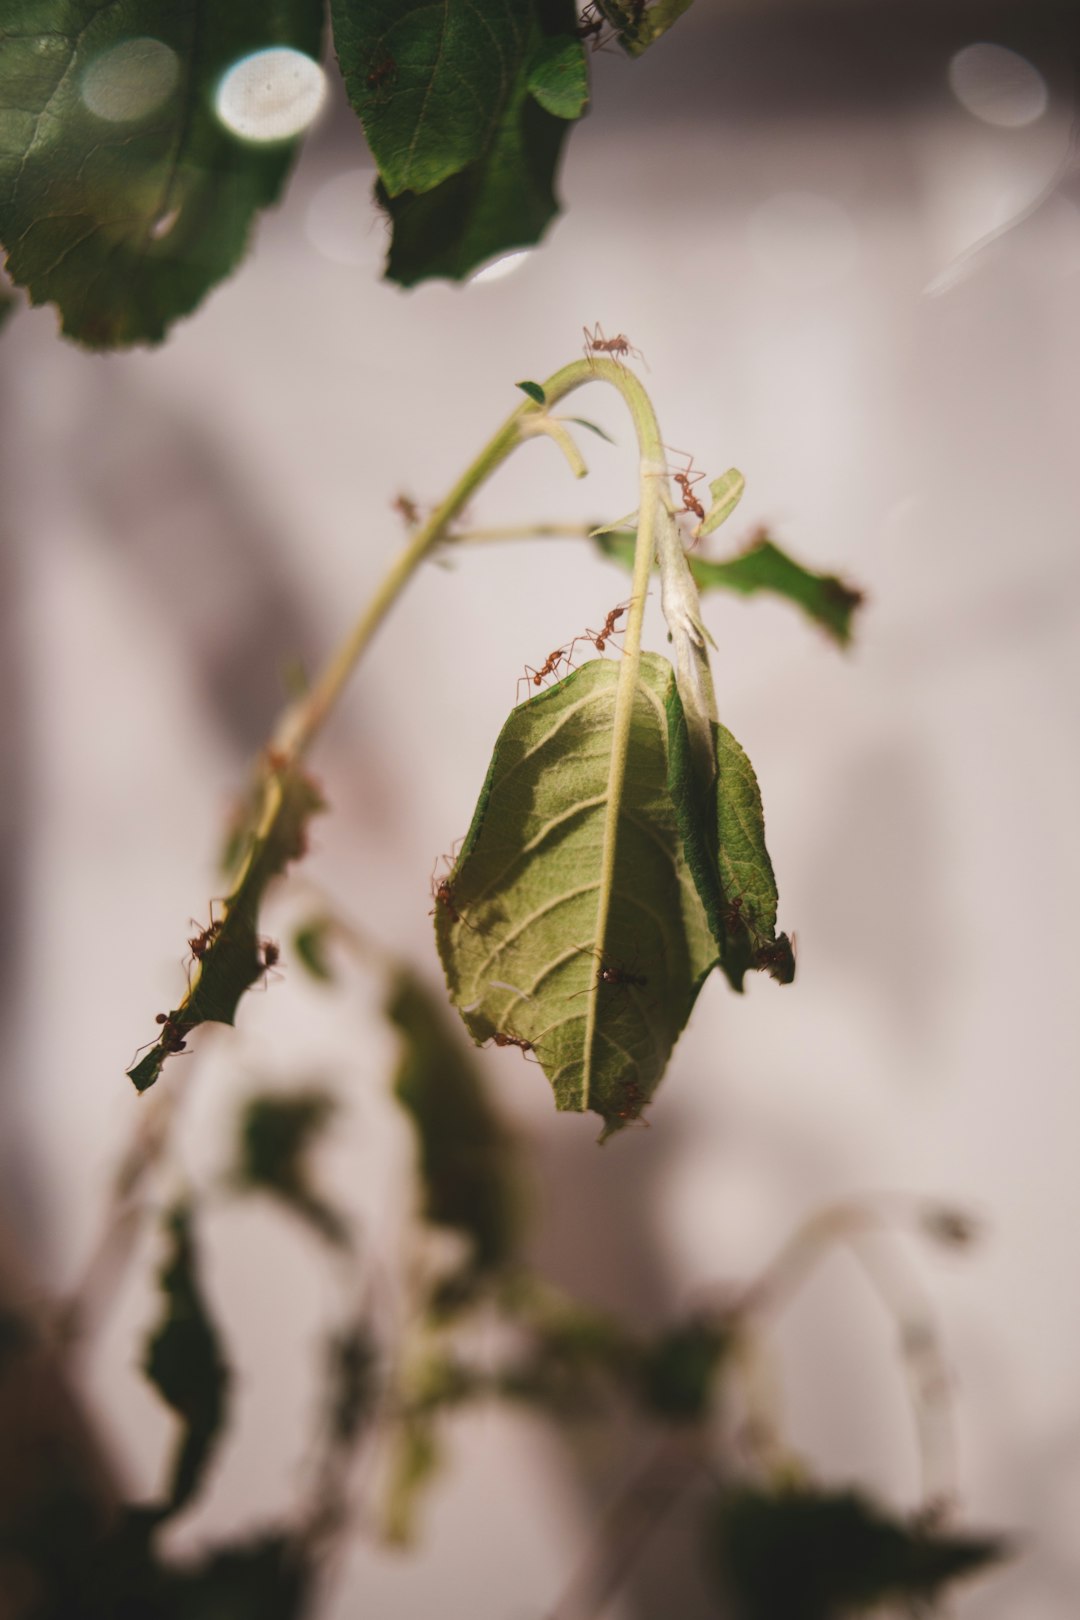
{"points": [[849, 247]]}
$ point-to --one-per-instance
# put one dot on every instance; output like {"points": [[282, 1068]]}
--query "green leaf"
{"points": [[7, 304], [580, 421], [310, 947], [460, 194], [235, 957], [519, 943], [805, 1554], [534, 391], [726, 492], [723, 827], [466, 1165], [184, 1361], [639, 25], [123, 198], [829, 601], [276, 1136]]}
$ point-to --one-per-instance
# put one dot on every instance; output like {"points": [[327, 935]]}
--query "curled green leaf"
{"points": [[519, 945], [726, 492], [534, 391]]}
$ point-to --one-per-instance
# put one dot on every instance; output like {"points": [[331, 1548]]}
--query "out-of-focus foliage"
{"points": [[184, 1361], [810, 1554], [277, 1133], [123, 196]]}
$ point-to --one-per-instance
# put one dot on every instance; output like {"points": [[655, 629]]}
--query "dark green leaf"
{"points": [[463, 194], [804, 1554], [828, 601], [184, 1361], [534, 391], [126, 216], [7, 304], [276, 1136], [580, 421], [310, 945], [764, 567], [723, 828], [466, 1161], [678, 1371], [429, 82], [519, 943], [234, 958]]}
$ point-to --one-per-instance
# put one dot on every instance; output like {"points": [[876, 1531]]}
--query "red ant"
{"points": [[591, 24], [173, 1031], [269, 955], [686, 484], [634, 1103], [382, 72], [608, 974], [550, 666], [407, 509], [778, 959], [597, 343], [600, 638], [505, 1039], [442, 892], [733, 917]]}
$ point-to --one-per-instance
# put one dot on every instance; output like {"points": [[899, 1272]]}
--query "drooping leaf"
{"points": [[185, 1363], [638, 24], [466, 1158], [234, 957], [828, 601], [726, 492], [519, 943], [123, 197], [723, 828], [807, 1554], [277, 1133], [310, 946], [451, 213], [534, 391]]}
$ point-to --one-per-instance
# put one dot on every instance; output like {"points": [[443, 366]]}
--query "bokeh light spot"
{"points": [[271, 95], [130, 80], [998, 86]]}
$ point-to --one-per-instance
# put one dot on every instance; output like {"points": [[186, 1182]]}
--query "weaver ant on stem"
{"points": [[596, 343], [172, 1038], [686, 479]]}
